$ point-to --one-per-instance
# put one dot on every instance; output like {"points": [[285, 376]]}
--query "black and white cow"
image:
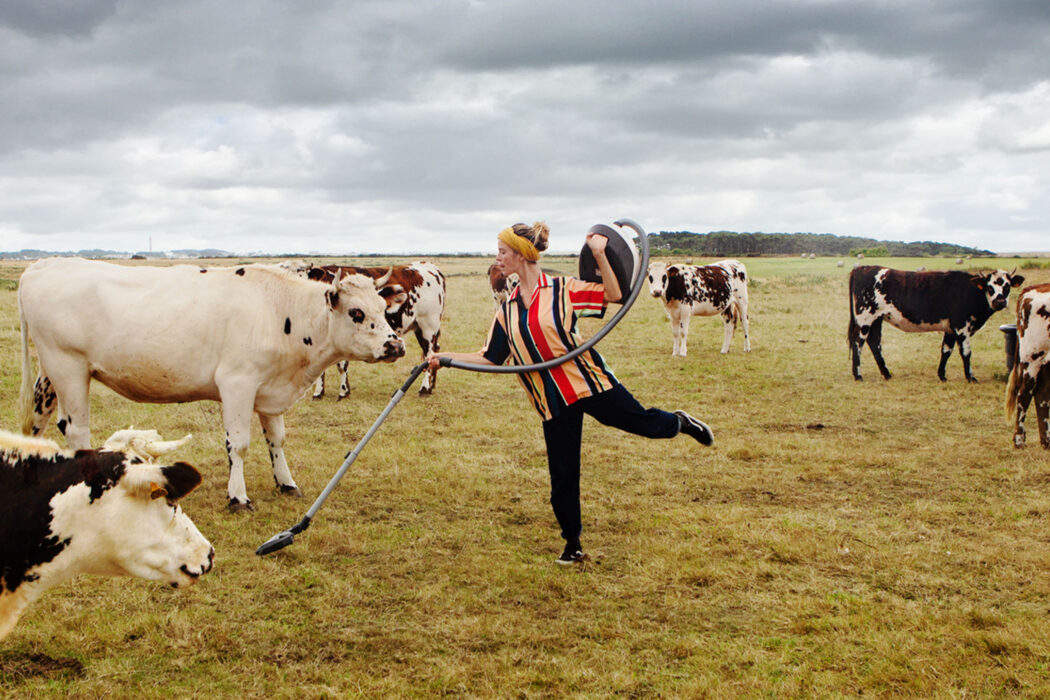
{"points": [[415, 295], [952, 302], [110, 512], [1030, 375], [253, 337], [702, 290]]}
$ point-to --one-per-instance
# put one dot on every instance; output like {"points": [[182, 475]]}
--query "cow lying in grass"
{"points": [[112, 512], [1030, 375]]}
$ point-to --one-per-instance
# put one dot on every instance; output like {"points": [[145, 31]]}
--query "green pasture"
{"points": [[840, 539]]}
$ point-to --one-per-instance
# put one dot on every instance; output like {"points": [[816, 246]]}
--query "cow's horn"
{"points": [[155, 448], [380, 281]]}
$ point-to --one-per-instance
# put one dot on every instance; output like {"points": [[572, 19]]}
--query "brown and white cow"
{"points": [[952, 302], [108, 512], [1030, 375], [501, 284], [702, 290], [415, 295], [253, 337]]}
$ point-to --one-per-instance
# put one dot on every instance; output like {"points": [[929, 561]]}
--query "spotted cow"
{"points": [[108, 512], [952, 302], [702, 290], [1030, 375], [415, 296], [253, 337], [502, 285]]}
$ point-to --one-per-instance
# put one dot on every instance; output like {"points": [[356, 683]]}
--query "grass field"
{"points": [[840, 539]]}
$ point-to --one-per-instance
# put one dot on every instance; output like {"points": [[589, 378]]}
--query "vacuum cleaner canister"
{"points": [[622, 256]]}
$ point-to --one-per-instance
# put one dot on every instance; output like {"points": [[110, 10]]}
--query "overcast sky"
{"points": [[422, 127]]}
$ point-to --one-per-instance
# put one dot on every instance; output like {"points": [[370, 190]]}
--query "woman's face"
{"points": [[508, 260]]}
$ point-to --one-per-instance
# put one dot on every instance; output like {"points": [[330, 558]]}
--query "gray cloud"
{"points": [[427, 126]]}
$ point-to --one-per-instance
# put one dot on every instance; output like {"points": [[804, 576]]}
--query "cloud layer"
{"points": [[401, 126]]}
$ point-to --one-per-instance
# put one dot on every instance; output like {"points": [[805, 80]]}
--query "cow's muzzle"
{"points": [[392, 350], [999, 303]]}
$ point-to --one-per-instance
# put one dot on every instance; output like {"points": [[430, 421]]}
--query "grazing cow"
{"points": [[1030, 375], [108, 512], [501, 284], [954, 302], [253, 337], [702, 290], [415, 295]]}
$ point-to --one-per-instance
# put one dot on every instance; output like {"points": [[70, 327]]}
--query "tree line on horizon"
{"points": [[731, 243]]}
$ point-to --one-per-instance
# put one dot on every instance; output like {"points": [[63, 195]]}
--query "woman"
{"points": [[538, 323]]}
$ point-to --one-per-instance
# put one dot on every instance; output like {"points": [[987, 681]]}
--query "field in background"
{"points": [[841, 538]]}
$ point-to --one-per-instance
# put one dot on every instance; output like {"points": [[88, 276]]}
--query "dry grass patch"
{"points": [[841, 538]]}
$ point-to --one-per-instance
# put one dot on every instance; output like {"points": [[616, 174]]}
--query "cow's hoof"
{"points": [[292, 491], [858, 378], [317, 397], [236, 506], [342, 396], [972, 380], [425, 391]]}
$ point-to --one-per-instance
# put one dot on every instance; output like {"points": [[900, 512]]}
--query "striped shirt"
{"points": [[546, 329]]}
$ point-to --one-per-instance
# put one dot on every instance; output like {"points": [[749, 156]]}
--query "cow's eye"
{"points": [[357, 315]]}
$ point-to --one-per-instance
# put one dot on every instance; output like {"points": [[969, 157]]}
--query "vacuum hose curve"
{"points": [[636, 288]]}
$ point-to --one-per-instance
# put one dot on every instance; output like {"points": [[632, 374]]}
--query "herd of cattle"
{"points": [[264, 334]]}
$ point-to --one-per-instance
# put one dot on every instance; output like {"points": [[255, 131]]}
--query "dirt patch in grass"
{"points": [[21, 667]]}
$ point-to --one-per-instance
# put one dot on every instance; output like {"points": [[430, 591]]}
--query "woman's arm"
{"points": [[474, 358], [597, 242]]}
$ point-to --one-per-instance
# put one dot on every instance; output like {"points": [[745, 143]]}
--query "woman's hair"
{"points": [[536, 234]]}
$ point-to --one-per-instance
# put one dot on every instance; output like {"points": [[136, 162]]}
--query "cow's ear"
{"points": [[315, 273], [180, 478], [1016, 281], [979, 281], [333, 298]]}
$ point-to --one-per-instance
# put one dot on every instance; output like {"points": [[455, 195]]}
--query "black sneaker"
{"points": [[572, 555], [698, 430]]}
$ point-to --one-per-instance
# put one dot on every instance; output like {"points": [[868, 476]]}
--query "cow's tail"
{"points": [[25, 390], [854, 329], [1012, 384]]}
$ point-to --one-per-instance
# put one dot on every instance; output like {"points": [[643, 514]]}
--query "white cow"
{"points": [[253, 337], [702, 290], [106, 512]]}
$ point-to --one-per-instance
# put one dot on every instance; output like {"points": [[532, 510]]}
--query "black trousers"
{"points": [[563, 434]]}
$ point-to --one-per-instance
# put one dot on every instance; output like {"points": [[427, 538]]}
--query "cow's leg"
{"points": [[1025, 389], [964, 350], [741, 307], [1042, 405], [728, 326], [428, 345], [875, 343], [319, 386], [237, 419], [683, 331], [73, 402], [344, 380], [273, 431], [44, 403], [858, 335], [946, 351]]}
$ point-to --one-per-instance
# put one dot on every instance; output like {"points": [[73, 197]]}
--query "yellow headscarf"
{"points": [[519, 244]]}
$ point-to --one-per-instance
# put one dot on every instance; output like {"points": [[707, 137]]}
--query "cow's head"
{"points": [[657, 278], [996, 287], [125, 519], [360, 328]]}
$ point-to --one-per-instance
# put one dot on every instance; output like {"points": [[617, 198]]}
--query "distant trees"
{"points": [[729, 243]]}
